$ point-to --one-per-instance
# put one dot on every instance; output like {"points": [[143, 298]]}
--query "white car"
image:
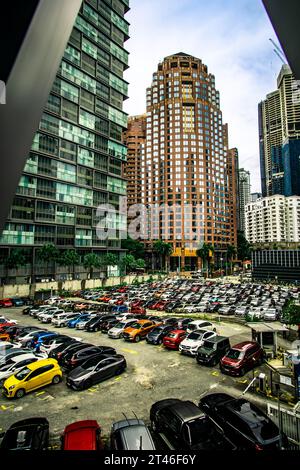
{"points": [[117, 330], [15, 364], [5, 319], [47, 346], [48, 316], [6, 347], [270, 314], [43, 308], [199, 325], [25, 338], [61, 319], [194, 341]]}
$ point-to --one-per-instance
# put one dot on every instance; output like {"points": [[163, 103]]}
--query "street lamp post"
{"points": [[221, 259]]}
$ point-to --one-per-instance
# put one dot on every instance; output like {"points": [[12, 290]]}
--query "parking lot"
{"points": [[153, 373]]}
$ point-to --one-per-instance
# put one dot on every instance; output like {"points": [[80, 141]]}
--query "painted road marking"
{"points": [[131, 351], [92, 389], [48, 397], [117, 378], [39, 393], [4, 408], [242, 381], [215, 373], [213, 386]]}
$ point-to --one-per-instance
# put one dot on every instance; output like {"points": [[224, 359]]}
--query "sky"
{"points": [[231, 37]]}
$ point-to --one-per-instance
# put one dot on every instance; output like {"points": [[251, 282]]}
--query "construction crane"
{"points": [[278, 52]]}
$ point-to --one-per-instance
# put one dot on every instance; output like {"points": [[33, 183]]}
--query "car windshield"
{"points": [[209, 345], [135, 325], [199, 430], [195, 336], [22, 373], [235, 354], [172, 335]]}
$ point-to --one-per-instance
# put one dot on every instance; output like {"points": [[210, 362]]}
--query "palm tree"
{"points": [[91, 261], [49, 254], [69, 258], [231, 252], [158, 247], [15, 260], [205, 252], [164, 250]]}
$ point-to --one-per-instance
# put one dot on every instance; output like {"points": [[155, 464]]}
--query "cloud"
{"points": [[231, 38]]}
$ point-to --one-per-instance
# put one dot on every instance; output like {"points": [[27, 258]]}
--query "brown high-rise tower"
{"points": [[184, 161]]}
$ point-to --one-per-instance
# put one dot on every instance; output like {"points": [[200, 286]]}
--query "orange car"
{"points": [[139, 330], [4, 337], [105, 298], [80, 306]]}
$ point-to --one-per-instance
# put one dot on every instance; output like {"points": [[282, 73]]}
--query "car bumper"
{"points": [[230, 370], [188, 352], [170, 346], [73, 385], [114, 336], [8, 393]]}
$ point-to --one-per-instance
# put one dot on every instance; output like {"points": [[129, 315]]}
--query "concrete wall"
{"points": [[24, 290]]}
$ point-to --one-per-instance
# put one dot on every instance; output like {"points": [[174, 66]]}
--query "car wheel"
{"points": [[160, 341], [2, 383], [215, 329], [20, 393], [137, 339], [56, 379], [88, 383], [242, 371]]}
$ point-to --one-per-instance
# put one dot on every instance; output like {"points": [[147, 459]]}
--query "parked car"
{"points": [[157, 335], [241, 358], [246, 425], [31, 377], [174, 338], [28, 434], [183, 426], [10, 354], [131, 434], [271, 314], [6, 303], [108, 325], [51, 343], [138, 330], [200, 324], [68, 351], [193, 341], [118, 330], [82, 435], [61, 319], [94, 324], [212, 350], [14, 364], [55, 353], [48, 316], [72, 323], [182, 323], [96, 369], [138, 310], [17, 302], [71, 361]]}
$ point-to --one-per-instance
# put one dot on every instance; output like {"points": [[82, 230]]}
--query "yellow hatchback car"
{"points": [[33, 376]]}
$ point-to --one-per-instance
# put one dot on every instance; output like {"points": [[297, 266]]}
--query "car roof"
{"points": [[178, 331], [216, 339], [243, 346], [40, 363], [135, 434], [186, 410], [79, 433]]}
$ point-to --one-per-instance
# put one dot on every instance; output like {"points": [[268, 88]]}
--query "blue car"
{"points": [[72, 323], [120, 309], [18, 302]]}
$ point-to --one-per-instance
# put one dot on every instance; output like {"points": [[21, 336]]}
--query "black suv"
{"points": [[244, 424], [183, 426], [212, 350], [28, 434]]}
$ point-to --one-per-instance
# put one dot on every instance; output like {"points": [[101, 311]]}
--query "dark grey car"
{"points": [[131, 434]]}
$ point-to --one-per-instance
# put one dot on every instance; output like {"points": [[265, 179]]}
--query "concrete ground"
{"points": [[153, 373]]}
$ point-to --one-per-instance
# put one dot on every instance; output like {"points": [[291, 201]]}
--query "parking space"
{"points": [[153, 373]]}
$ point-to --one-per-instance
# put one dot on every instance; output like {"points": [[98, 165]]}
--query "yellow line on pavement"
{"points": [[131, 351], [39, 393]]}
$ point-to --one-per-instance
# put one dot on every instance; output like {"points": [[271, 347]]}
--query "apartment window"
{"points": [[101, 162], [23, 209], [87, 100], [44, 234], [72, 54], [87, 119], [85, 157], [66, 172], [47, 166], [65, 214], [45, 143], [84, 216], [53, 104], [100, 180], [46, 188], [45, 211], [75, 38], [69, 110], [88, 64], [68, 150], [85, 176], [65, 236]]}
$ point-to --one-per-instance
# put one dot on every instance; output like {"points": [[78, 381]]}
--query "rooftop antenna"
{"points": [[125, 417]]}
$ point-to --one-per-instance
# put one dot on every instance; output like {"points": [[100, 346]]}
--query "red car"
{"points": [[138, 310], [241, 358], [119, 302], [6, 303], [161, 306], [174, 338], [122, 289], [82, 435]]}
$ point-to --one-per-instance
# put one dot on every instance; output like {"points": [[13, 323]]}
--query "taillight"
{"points": [[258, 447], [59, 355]]}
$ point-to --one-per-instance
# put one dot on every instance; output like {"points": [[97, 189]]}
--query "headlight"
{"points": [[11, 387]]}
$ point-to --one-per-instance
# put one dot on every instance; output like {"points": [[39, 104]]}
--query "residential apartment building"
{"points": [[279, 134], [77, 158], [273, 219], [185, 182], [244, 195]]}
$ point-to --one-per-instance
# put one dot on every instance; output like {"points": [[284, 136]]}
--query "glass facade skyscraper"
{"points": [[77, 156]]}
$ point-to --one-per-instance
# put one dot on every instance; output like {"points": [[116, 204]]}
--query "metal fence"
{"points": [[288, 421]]}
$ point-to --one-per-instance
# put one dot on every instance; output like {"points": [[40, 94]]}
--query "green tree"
{"points": [[15, 259], [231, 252], [164, 251], [69, 258], [133, 247], [243, 247], [128, 263], [205, 252], [140, 263], [291, 313], [49, 254], [91, 261]]}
